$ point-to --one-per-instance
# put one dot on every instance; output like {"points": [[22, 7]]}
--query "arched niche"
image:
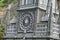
{"points": [[58, 4]]}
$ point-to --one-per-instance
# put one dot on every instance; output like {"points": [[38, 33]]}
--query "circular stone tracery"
{"points": [[26, 21]]}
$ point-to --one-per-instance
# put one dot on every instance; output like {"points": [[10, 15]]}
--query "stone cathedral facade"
{"points": [[35, 20]]}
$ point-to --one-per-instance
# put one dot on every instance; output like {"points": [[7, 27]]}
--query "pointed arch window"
{"points": [[26, 2], [43, 2], [30, 1]]}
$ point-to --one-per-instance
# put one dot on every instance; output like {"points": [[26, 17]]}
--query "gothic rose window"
{"points": [[26, 20]]}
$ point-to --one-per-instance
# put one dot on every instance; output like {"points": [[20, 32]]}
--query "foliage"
{"points": [[2, 30], [4, 3]]}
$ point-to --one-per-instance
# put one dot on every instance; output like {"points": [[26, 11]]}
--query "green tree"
{"points": [[4, 3], [1, 3], [2, 31]]}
